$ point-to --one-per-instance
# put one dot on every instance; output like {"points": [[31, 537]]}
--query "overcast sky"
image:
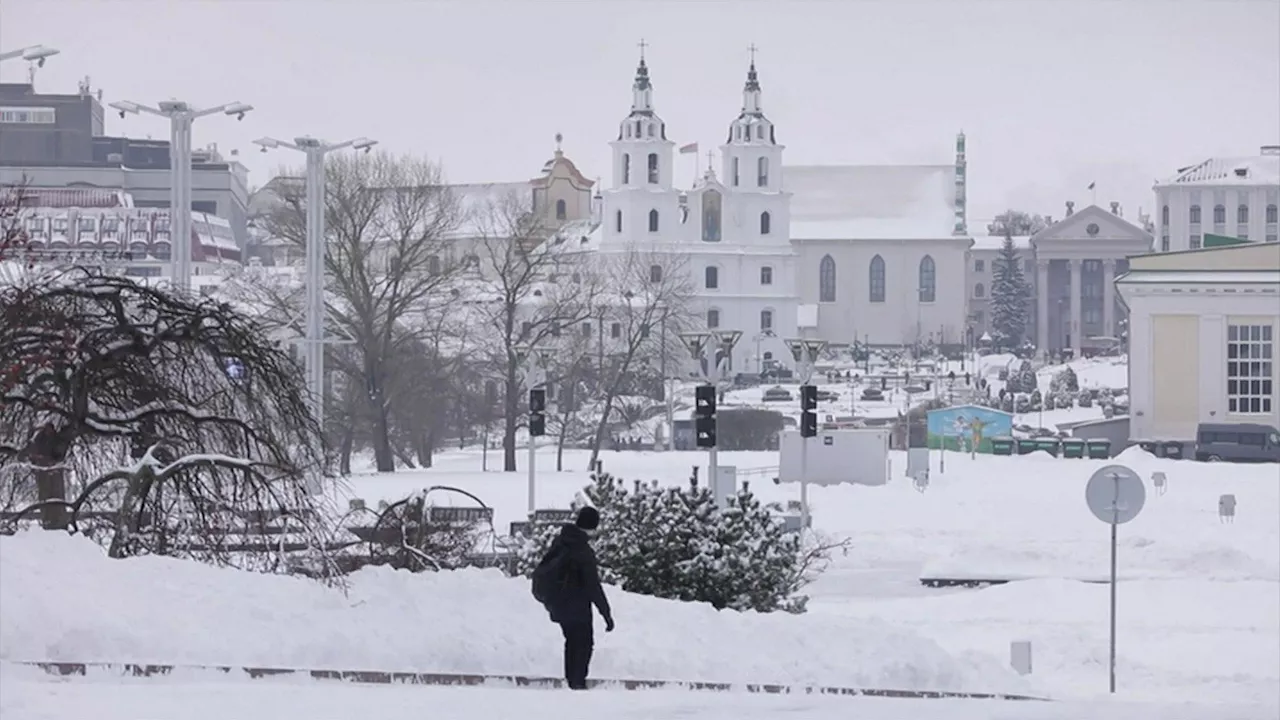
{"points": [[1052, 94]]}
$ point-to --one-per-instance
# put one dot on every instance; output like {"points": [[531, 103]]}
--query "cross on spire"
{"points": [[752, 49], [642, 45], [711, 158]]}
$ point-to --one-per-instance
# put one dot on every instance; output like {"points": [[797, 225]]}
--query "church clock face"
{"points": [[1092, 229]]}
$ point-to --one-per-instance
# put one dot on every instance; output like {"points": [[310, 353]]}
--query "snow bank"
{"points": [[62, 600]]}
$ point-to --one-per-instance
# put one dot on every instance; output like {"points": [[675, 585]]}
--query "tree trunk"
{"points": [[50, 477], [404, 457], [598, 440], [345, 446], [561, 440], [509, 422], [426, 448]]}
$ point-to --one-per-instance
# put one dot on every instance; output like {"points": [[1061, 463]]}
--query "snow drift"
{"points": [[63, 600]]}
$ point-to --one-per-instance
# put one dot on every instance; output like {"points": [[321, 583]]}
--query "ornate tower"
{"points": [[641, 205], [752, 156]]}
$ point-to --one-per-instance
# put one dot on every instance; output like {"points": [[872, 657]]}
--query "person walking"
{"points": [[567, 583]]}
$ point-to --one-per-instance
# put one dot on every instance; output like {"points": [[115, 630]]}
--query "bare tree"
{"points": [[390, 222], [647, 302], [523, 293]]}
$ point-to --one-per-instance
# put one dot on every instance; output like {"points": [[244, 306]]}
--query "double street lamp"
{"points": [[314, 337], [712, 351], [32, 53], [181, 116]]}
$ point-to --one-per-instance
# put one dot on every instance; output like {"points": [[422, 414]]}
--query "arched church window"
{"points": [[626, 168], [876, 280], [711, 277], [653, 221], [617, 221], [651, 127], [735, 172], [759, 132], [766, 223], [655, 273], [1164, 216], [653, 168], [1194, 214], [561, 210], [1219, 214], [766, 320], [979, 291], [827, 279], [711, 207], [928, 280], [762, 172]]}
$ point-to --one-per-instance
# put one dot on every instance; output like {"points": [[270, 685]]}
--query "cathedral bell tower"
{"points": [[752, 156], [641, 202]]}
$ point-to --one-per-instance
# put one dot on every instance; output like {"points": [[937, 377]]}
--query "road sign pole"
{"points": [[1112, 664], [1115, 495]]}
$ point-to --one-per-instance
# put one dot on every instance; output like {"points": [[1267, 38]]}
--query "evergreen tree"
{"points": [[1009, 296]]}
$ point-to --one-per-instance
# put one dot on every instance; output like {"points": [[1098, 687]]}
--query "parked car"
{"points": [[1237, 442], [777, 394], [872, 393], [828, 396]]}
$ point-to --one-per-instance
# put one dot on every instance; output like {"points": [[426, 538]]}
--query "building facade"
{"points": [[1233, 197], [1204, 329], [58, 141]]}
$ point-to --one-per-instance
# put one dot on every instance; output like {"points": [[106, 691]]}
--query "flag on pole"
{"points": [[1092, 184], [690, 148]]}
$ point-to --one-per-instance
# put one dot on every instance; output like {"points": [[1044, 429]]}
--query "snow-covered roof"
{"points": [[995, 242], [871, 202], [75, 198], [1192, 277], [1262, 169], [478, 201]]}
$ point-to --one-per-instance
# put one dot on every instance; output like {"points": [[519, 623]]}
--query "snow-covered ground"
{"points": [[28, 696], [1199, 601]]}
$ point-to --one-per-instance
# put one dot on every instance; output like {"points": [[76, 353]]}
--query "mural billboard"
{"points": [[967, 428]]}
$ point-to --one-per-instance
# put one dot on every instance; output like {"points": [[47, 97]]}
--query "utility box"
{"points": [[856, 455]]}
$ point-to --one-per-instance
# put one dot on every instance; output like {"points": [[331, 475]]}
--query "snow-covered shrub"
{"points": [[674, 542], [1021, 403], [1084, 399], [1064, 399], [1049, 401], [1064, 381]]}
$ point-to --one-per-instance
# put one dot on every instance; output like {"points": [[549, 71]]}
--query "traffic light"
{"points": [[808, 411], [537, 410], [704, 416]]}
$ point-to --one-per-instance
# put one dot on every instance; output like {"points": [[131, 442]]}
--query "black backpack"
{"points": [[551, 577]]}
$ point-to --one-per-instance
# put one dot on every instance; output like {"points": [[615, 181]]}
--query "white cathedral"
{"points": [[881, 250]]}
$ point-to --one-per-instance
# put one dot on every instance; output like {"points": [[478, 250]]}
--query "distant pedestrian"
{"points": [[567, 583]]}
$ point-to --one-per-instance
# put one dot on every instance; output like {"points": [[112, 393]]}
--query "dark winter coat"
{"points": [[582, 587]]}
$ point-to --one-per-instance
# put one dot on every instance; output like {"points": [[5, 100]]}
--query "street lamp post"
{"points": [[34, 54], [711, 350], [314, 340], [181, 116], [805, 352], [535, 362]]}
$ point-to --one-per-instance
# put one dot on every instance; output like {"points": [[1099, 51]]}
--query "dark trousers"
{"points": [[579, 642]]}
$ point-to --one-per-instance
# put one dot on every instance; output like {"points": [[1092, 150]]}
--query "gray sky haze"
{"points": [[1051, 94]]}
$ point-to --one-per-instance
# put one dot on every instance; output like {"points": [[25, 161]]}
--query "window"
{"points": [[617, 221], [979, 266], [876, 283], [29, 115], [711, 277], [653, 168], [827, 279], [766, 275], [928, 280], [615, 330], [735, 172], [652, 129], [1219, 215], [1195, 242], [713, 319], [979, 290], [554, 329], [1164, 243], [759, 132], [626, 168], [766, 221], [525, 328], [655, 273], [762, 172], [1029, 267], [711, 204], [766, 320], [1091, 316], [1195, 214], [1271, 214], [1242, 214], [653, 221], [561, 210], [1164, 216], [586, 329], [1249, 369], [433, 264]]}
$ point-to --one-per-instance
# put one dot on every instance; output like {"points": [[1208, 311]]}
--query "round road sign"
{"points": [[1115, 494]]}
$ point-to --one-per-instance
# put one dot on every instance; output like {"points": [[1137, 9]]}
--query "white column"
{"points": [[1075, 307], [1108, 297], [1042, 307]]}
